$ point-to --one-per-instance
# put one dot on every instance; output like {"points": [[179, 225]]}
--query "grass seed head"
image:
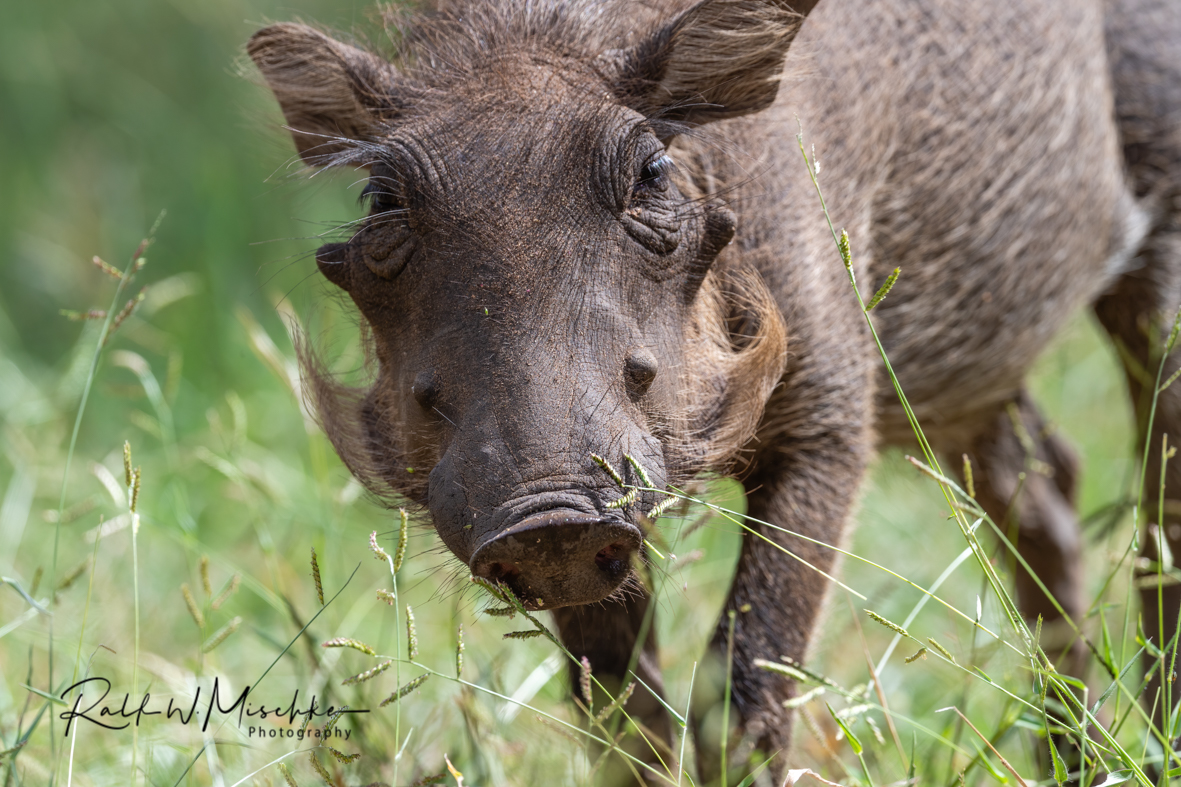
{"points": [[378, 552], [191, 603], [411, 633], [584, 683], [426, 781], [402, 692], [684, 560], [639, 468], [316, 577], [877, 732], [205, 576], [287, 776], [524, 634], [921, 654], [89, 314], [349, 642], [367, 674], [459, 651], [81, 508], [107, 268], [494, 589], [884, 290], [565, 733], [658, 510], [127, 310], [887, 623], [221, 634], [944, 652], [320, 769], [127, 462], [72, 577], [803, 699], [846, 253], [798, 671], [229, 591], [135, 490], [1172, 379], [608, 468], [403, 537], [335, 717], [386, 596], [626, 500], [782, 669], [341, 757], [619, 702], [1172, 341]]}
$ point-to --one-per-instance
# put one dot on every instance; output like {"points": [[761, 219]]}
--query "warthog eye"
{"points": [[653, 178], [381, 197], [387, 241], [650, 216]]}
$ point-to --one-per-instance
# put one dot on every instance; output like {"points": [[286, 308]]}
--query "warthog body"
{"points": [[592, 234]]}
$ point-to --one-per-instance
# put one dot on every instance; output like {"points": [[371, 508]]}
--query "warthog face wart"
{"points": [[543, 285]]}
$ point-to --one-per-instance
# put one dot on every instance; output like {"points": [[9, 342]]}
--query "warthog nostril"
{"points": [[559, 557], [610, 556], [503, 572]]}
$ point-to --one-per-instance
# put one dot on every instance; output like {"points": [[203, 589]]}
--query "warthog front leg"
{"points": [[1025, 477], [775, 600], [606, 634], [815, 446]]}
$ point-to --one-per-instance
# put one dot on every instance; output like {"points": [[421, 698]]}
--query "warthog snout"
{"points": [[559, 557]]}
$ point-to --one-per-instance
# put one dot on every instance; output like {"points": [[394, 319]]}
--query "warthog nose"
{"points": [[559, 558]]}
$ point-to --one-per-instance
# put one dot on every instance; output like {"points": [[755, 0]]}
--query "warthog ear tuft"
{"points": [[719, 59], [330, 93], [737, 348]]}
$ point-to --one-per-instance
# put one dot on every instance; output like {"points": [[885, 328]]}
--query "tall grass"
{"points": [[966, 643], [215, 580]]}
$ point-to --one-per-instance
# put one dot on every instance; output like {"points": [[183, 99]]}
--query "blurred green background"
{"points": [[113, 112]]}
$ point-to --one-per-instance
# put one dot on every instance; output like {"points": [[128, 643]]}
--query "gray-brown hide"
{"points": [[591, 233]]}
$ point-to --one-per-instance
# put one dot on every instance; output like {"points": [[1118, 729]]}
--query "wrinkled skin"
{"points": [[534, 350], [591, 244]]}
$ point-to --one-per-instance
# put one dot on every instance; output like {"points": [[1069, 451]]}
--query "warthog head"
{"points": [[540, 275]]}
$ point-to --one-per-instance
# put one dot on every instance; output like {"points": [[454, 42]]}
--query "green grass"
{"points": [[116, 111]]}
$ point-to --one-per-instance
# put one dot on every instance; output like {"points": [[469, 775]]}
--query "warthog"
{"points": [[592, 237]]}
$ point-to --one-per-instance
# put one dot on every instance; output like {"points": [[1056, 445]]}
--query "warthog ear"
{"points": [[719, 59], [330, 93]]}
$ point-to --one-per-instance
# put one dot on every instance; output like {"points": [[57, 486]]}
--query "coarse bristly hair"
{"points": [[736, 340], [629, 44]]}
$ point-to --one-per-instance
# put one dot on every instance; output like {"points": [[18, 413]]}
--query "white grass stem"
{"points": [[533, 683], [922, 602], [273, 762], [685, 728]]}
